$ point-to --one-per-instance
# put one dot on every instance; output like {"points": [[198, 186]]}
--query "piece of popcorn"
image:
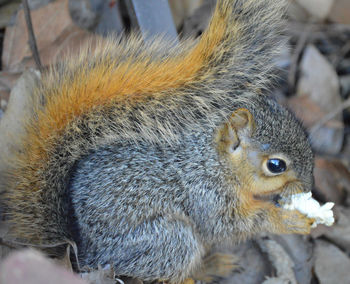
{"points": [[305, 204]]}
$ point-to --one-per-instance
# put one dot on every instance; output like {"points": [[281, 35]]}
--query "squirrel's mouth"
{"points": [[275, 196], [272, 197]]}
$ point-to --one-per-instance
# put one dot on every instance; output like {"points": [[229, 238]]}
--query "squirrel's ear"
{"points": [[241, 123], [242, 120]]}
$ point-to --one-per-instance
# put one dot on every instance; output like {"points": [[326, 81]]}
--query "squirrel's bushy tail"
{"points": [[131, 90], [241, 42]]}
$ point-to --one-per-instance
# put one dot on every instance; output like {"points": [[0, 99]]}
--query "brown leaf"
{"points": [[340, 12], [55, 32], [327, 139], [332, 180], [300, 251], [331, 264], [339, 233], [280, 260], [318, 80]]}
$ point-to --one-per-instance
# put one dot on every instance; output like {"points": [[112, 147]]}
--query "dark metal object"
{"points": [[110, 20], [152, 17]]}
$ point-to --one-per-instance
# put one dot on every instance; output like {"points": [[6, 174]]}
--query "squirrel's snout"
{"points": [[283, 192]]}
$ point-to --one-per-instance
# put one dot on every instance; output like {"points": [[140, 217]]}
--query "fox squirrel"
{"points": [[147, 156]]}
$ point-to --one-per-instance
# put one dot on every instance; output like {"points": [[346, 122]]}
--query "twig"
{"points": [[280, 260], [6, 244], [329, 116], [296, 55], [31, 36]]}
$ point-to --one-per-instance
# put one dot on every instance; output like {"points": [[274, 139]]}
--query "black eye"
{"points": [[276, 166]]}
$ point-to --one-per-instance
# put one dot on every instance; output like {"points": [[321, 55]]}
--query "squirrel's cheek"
{"points": [[284, 184]]}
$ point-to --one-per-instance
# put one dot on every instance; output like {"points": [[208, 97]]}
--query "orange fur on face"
{"points": [[246, 164], [256, 183]]}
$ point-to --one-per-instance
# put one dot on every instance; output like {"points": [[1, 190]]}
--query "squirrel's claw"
{"points": [[295, 223], [218, 265]]}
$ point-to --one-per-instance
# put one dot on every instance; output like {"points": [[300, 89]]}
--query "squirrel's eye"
{"points": [[276, 166]]}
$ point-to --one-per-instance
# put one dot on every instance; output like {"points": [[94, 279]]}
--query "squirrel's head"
{"points": [[267, 149]]}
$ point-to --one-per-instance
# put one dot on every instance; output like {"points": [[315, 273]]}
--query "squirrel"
{"points": [[146, 155]]}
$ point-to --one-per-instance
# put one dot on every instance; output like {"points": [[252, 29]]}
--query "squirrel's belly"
{"points": [[111, 191]]}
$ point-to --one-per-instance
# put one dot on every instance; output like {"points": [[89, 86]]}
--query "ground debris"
{"points": [[331, 264]]}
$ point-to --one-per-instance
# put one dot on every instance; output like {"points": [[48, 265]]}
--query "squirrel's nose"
{"points": [[293, 187]]}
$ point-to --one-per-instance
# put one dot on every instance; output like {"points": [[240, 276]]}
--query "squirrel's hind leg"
{"points": [[218, 265], [164, 248]]}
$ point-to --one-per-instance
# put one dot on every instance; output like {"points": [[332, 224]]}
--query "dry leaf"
{"points": [[300, 251], [340, 232], [331, 264], [281, 262], [327, 139], [55, 32], [340, 12], [320, 84], [332, 180], [318, 80]]}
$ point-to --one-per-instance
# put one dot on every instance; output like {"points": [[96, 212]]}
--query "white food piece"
{"points": [[305, 204]]}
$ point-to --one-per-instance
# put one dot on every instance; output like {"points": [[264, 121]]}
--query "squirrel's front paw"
{"points": [[293, 222], [216, 265]]}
